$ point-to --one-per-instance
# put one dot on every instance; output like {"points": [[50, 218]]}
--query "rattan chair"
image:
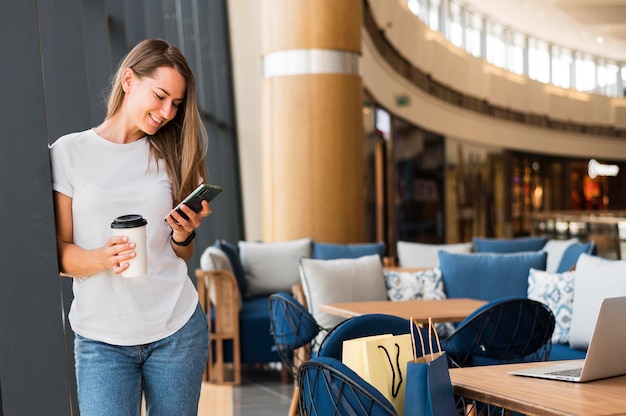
{"points": [[218, 293]]}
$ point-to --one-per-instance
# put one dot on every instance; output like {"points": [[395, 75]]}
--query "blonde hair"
{"points": [[182, 142]]}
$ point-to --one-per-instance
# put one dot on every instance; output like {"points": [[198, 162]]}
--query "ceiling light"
{"points": [[599, 40]]}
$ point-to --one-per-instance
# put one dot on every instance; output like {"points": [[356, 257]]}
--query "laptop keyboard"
{"points": [[574, 372]]}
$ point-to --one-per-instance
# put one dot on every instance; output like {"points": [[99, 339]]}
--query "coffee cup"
{"points": [[133, 226]]}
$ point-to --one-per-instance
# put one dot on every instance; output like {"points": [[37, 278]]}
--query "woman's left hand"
{"points": [[182, 227]]}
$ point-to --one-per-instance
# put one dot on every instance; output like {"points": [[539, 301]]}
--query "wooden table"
{"points": [[444, 310], [533, 396]]}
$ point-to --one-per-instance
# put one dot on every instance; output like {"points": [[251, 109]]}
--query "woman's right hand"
{"points": [[117, 252], [75, 261]]}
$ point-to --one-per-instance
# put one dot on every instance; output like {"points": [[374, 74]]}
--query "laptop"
{"points": [[606, 355]]}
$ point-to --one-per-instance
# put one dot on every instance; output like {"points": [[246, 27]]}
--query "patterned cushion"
{"points": [[423, 284], [556, 290]]}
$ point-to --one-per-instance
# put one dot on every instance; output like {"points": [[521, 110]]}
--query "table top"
{"points": [[444, 310], [534, 396]]}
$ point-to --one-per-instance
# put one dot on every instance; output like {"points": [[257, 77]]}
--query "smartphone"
{"points": [[194, 200]]}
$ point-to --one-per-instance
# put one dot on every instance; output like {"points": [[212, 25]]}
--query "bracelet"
{"points": [[187, 241]]}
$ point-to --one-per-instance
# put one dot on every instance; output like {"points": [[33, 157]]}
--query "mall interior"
{"points": [[349, 121]]}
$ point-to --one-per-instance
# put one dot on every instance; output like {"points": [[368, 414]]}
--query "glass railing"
{"points": [[546, 62]]}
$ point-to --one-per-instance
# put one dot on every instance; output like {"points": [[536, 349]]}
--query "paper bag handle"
{"points": [[411, 325], [431, 328]]}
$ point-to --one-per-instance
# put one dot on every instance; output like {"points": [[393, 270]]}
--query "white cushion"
{"points": [[425, 255], [556, 290], [555, 250], [272, 267], [341, 280], [213, 258], [597, 278], [422, 284]]}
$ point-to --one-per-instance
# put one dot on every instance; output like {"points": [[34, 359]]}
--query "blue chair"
{"points": [[292, 327], [507, 330], [327, 387], [363, 326]]}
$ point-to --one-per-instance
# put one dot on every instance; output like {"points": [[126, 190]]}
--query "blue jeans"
{"points": [[111, 379]]}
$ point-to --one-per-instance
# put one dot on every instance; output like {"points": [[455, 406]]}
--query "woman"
{"points": [[142, 335]]}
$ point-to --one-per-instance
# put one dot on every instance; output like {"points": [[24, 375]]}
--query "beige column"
{"points": [[312, 129]]}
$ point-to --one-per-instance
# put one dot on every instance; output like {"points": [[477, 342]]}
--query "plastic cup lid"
{"points": [[129, 221]]}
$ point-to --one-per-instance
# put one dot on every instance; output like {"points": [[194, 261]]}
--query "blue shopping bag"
{"points": [[428, 386]]}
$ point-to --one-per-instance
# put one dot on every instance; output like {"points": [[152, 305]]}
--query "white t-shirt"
{"points": [[106, 180]]}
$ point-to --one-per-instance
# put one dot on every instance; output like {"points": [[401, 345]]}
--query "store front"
{"points": [[427, 188], [542, 184]]}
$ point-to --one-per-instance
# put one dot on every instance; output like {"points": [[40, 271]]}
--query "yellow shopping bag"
{"points": [[381, 361]]}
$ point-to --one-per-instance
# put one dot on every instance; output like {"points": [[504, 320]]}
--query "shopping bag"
{"points": [[428, 380], [381, 361], [353, 352]]}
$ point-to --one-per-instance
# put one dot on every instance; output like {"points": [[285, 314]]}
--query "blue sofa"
{"points": [[502, 270], [256, 342], [485, 276]]}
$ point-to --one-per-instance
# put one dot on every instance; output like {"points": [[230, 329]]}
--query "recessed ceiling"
{"points": [[576, 24]]}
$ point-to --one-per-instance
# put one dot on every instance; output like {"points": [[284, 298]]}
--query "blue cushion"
{"points": [[257, 343], [488, 276], [232, 252], [330, 251], [513, 245], [565, 352], [571, 254], [254, 328]]}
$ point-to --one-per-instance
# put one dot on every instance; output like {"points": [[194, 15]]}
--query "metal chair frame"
{"points": [[294, 330], [363, 326], [488, 338], [347, 392], [503, 331]]}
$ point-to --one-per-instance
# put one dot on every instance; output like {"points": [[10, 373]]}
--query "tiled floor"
{"points": [[261, 393]]}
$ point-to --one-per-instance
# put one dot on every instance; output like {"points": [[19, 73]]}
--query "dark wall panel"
{"points": [[32, 350], [64, 67], [97, 51], [57, 60], [117, 28]]}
